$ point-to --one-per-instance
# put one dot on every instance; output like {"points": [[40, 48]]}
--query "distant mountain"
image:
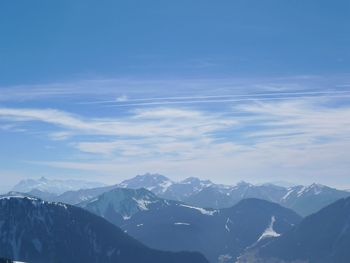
{"points": [[220, 196], [323, 237], [37, 231], [182, 190], [121, 204], [166, 188], [82, 195], [305, 200], [172, 225], [156, 183], [53, 186], [283, 183], [42, 194]]}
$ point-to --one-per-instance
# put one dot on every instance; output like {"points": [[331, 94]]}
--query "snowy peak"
{"points": [[185, 188], [313, 189], [53, 186], [309, 199], [243, 184], [196, 181], [153, 182], [166, 188]]}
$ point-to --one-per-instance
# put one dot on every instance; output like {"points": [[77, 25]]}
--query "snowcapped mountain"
{"points": [[166, 188], [323, 237], [121, 204], [156, 183], [176, 226], [37, 231], [182, 190], [220, 196], [53, 186], [305, 200]]}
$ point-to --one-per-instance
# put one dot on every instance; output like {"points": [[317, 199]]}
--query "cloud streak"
{"points": [[244, 135], [145, 132]]}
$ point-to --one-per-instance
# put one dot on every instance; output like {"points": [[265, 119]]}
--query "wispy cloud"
{"points": [[123, 102], [112, 90], [300, 117], [143, 132], [272, 130]]}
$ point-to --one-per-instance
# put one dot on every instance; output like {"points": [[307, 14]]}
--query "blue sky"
{"points": [[230, 90]]}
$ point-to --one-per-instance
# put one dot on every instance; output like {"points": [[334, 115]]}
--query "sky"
{"points": [[223, 90]]}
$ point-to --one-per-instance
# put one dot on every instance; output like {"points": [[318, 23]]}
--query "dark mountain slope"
{"points": [[175, 226], [36, 231], [121, 204], [323, 237], [219, 235]]}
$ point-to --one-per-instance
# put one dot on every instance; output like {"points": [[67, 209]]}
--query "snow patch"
{"points": [[201, 210], [142, 203], [270, 232], [302, 191], [290, 190], [228, 221], [165, 185], [126, 217], [224, 258], [179, 223]]}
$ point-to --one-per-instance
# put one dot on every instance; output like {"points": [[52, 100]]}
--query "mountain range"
{"points": [[243, 223], [53, 187], [37, 231], [166, 188], [221, 234], [305, 200]]}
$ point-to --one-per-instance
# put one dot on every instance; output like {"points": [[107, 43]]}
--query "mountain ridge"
{"points": [[323, 237], [176, 226], [37, 231]]}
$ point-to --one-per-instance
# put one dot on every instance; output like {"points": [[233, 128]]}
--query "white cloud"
{"points": [[300, 136], [145, 132], [300, 119]]}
